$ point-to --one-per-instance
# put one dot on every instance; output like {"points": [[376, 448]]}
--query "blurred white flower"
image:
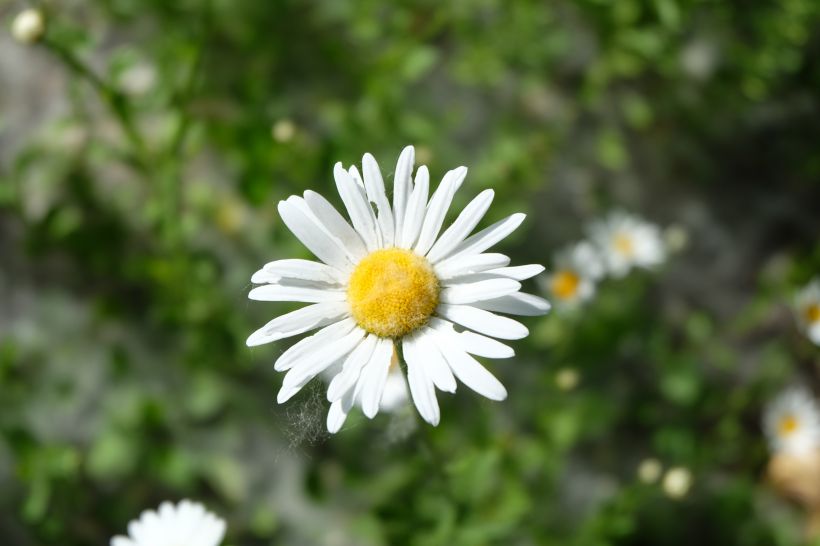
{"points": [[807, 308], [677, 482], [792, 422], [28, 26], [649, 470], [576, 269], [394, 277], [567, 379], [626, 241], [283, 130], [186, 524]]}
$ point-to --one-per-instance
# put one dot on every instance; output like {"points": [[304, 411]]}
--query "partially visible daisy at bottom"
{"points": [[626, 241], [185, 524], [792, 422], [807, 309], [792, 426], [394, 280], [576, 269]]}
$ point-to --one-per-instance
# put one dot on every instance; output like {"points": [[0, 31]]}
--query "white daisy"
{"points": [[626, 241], [186, 524], [576, 269], [792, 422], [807, 307], [392, 281]]}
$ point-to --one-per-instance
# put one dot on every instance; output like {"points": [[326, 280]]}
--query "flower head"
{"points": [[186, 524], [626, 241], [390, 279], [792, 422], [28, 26], [576, 269], [807, 309]]}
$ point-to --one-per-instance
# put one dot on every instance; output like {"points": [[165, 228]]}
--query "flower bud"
{"points": [[649, 470], [28, 27], [676, 482]]}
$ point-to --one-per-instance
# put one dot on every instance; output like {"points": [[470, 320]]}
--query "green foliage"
{"points": [[138, 181]]}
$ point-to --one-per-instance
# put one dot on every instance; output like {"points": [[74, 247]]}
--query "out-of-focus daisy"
{"points": [[792, 422], [390, 280], [626, 241], [807, 307], [186, 524], [575, 271]]}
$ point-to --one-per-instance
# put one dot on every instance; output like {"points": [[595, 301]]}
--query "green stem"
{"points": [[116, 101]]}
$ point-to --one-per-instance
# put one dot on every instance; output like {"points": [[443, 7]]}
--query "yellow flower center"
{"points": [[788, 425], [623, 244], [392, 292], [812, 313], [564, 284]]}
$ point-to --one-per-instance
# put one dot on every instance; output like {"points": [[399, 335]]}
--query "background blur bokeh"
{"points": [[137, 199]]}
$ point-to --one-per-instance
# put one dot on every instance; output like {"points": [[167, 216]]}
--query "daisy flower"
{"points": [[792, 422], [576, 269], [394, 281], [626, 241], [807, 307], [186, 524]]}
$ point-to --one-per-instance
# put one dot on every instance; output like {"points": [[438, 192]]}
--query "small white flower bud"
{"points": [[28, 26], [284, 130], [649, 470], [676, 482], [567, 379]]}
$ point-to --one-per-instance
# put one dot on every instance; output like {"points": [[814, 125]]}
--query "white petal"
{"points": [[279, 292], [351, 369], [421, 386], [402, 187], [477, 291], [483, 321], [489, 236], [519, 272], [336, 417], [414, 214], [395, 394], [436, 366], [374, 377], [305, 227], [470, 264], [122, 541], [336, 224], [326, 335], [273, 272], [315, 362], [298, 322], [470, 372], [462, 227], [518, 303], [437, 209], [355, 200], [374, 185], [471, 342]]}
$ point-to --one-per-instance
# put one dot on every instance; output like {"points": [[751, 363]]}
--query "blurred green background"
{"points": [[135, 205]]}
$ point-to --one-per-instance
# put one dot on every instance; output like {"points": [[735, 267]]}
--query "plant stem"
{"points": [[116, 101]]}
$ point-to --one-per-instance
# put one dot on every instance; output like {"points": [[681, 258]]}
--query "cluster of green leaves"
{"points": [[133, 215]]}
